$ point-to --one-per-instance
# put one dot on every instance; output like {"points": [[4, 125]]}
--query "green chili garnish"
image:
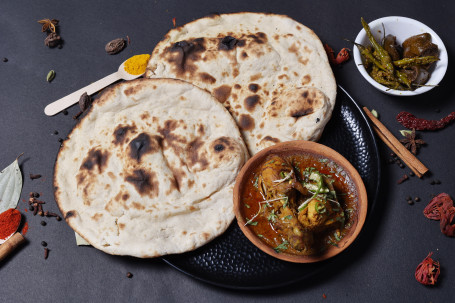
{"points": [[282, 246]]}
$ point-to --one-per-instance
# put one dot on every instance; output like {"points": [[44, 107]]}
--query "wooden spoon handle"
{"points": [[10, 245], [65, 102]]}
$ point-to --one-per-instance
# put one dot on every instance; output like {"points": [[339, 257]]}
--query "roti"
{"points": [[150, 169], [269, 71]]}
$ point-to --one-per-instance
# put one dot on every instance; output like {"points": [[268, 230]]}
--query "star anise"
{"points": [[48, 24], [411, 143]]}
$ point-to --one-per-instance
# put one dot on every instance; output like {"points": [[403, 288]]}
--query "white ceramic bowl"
{"points": [[402, 28]]}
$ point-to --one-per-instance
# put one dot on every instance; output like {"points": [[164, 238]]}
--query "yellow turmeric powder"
{"points": [[136, 65]]}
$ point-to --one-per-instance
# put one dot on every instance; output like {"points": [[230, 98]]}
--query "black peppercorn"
{"points": [[65, 112], [35, 195], [401, 165], [411, 174], [417, 199], [58, 218], [408, 198], [43, 243], [43, 223], [410, 202], [432, 182], [129, 275], [60, 140], [5, 59], [437, 181]]}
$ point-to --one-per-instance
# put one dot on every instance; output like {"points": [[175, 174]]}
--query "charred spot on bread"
{"points": [[227, 43]]}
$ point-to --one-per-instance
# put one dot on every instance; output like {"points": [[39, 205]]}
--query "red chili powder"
{"points": [[25, 229], [9, 222]]}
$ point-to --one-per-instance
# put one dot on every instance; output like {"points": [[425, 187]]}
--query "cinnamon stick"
{"points": [[10, 245], [389, 139]]}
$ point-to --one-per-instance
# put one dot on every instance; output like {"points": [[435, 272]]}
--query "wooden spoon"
{"points": [[65, 102], [14, 229], [11, 242]]}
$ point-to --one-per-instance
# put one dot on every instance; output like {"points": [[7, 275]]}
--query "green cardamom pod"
{"points": [[374, 113], [50, 76], [405, 132]]}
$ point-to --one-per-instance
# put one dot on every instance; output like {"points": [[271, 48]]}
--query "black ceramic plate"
{"points": [[232, 261]]}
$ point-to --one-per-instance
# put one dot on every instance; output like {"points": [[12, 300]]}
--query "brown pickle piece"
{"points": [[417, 75], [391, 46], [419, 46]]}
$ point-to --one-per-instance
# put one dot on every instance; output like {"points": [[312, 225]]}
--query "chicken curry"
{"points": [[299, 203]]}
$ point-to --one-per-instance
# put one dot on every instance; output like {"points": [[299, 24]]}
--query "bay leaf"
{"points": [[10, 186]]}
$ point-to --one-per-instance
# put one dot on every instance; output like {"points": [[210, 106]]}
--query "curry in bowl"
{"points": [[299, 205]]}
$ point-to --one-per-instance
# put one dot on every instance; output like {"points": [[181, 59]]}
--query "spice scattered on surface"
{"points": [[46, 253], [410, 121], [9, 222], [50, 76], [129, 275], [55, 132], [341, 57], [128, 39], [402, 179], [5, 59], [52, 40], [115, 46], [85, 101], [173, 21], [33, 176], [48, 25], [43, 223], [324, 296], [417, 199], [65, 112], [441, 208], [76, 116], [25, 229], [411, 142], [374, 113], [136, 65], [428, 271]]}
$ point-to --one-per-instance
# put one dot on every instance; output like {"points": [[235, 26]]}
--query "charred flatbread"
{"points": [[150, 169], [269, 71]]}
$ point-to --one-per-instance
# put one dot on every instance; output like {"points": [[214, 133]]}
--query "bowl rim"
{"points": [[320, 150], [442, 63]]}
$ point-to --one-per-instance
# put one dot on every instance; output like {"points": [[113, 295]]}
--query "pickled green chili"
{"points": [[409, 62], [383, 55]]}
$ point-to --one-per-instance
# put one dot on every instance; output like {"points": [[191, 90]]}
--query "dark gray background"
{"points": [[397, 237]]}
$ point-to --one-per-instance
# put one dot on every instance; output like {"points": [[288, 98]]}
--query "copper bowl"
{"points": [[293, 147]]}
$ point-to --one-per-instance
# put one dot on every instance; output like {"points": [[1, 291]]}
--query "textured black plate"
{"points": [[232, 261]]}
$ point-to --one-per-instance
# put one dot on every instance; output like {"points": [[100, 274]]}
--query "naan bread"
{"points": [[269, 71], [150, 169]]}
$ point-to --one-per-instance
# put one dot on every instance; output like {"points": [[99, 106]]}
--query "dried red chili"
{"points": [[342, 56], [9, 222], [428, 271], [432, 210], [173, 21], [410, 121]]}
